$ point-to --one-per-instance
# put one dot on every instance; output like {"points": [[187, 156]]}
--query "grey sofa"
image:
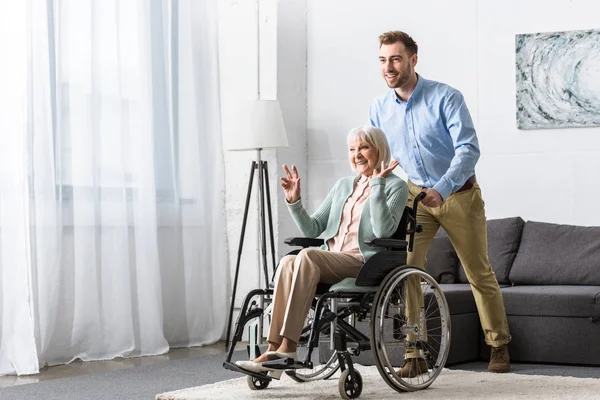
{"points": [[549, 276]]}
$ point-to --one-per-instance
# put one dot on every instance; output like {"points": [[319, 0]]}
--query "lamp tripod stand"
{"points": [[263, 189]]}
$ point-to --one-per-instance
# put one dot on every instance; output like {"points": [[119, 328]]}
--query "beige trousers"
{"points": [[296, 283], [462, 215]]}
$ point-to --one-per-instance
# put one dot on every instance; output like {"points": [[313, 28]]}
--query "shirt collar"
{"points": [[363, 179], [416, 92]]}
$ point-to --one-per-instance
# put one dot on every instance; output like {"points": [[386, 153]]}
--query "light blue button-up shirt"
{"points": [[431, 135]]}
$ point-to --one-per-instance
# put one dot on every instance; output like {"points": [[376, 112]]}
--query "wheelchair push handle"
{"points": [[418, 198], [413, 227]]}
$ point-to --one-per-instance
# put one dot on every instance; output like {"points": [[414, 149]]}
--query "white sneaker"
{"points": [[255, 367], [250, 366]]}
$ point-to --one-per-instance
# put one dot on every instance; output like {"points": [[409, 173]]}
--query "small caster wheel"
{"points": [[350, 388], [257, 383]]}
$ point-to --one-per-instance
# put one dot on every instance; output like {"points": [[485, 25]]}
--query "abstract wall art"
{"points": [[558, 79]]}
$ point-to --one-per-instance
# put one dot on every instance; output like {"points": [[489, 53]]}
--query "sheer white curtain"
{"points": [[112, 231]]}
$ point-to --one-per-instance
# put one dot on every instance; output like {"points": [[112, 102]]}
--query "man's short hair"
{"points": [[399, 36]]}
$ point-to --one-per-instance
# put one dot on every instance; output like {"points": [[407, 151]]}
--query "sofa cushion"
{"points": [[460, 298], [442, 261], [504, 237], [552, 254], [552, 301]]}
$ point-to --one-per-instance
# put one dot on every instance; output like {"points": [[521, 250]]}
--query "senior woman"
{"points": [[359, 208]]}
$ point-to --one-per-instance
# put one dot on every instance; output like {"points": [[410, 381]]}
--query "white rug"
{"points": [[450, 384]]}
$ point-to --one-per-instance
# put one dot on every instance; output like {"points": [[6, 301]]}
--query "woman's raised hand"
{"points": [[383, 172], [291, 184]]}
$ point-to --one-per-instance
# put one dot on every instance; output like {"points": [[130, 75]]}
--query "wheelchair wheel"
{"points": [[350, 388], [257, 383], [320, 370], [420, 325]]}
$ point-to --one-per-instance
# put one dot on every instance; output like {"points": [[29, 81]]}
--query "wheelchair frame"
{"points": [[360, 304]]}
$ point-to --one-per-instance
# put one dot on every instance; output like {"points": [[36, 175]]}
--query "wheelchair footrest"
{"points": [[282, 363], [235, 368]]}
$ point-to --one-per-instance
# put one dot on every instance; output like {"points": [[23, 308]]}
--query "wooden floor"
{"points": [[76, 368]]}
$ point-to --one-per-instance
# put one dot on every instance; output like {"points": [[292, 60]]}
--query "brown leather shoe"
{"points": [[499, 359], [412, 367]]}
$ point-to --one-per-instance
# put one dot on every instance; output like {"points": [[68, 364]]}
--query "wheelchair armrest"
{"points": [[304, 242], [388, 243]]}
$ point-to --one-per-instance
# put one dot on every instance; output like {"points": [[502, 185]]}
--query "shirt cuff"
{"points": [[443, 189]]}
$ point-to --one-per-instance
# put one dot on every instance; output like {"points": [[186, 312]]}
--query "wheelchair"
{"points": [[377, 299]]}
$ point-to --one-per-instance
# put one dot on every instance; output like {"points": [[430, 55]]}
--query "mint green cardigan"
{"points": [[379, 218]]}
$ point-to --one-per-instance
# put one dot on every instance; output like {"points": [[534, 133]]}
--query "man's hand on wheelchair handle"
{"points": [[432, 198]]}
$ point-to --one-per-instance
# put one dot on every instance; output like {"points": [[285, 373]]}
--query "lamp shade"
{"points": [[259, 125]]}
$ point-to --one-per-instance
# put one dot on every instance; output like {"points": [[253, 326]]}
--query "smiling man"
{"points": [[431, 135]]}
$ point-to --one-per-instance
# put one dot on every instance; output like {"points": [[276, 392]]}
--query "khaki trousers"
{"points": [[296, 283], [462, 215]]}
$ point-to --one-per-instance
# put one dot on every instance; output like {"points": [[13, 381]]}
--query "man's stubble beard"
{"points": [[403, 78]]}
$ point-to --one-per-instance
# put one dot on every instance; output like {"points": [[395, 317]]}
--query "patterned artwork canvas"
{"points": [[558, 79]]}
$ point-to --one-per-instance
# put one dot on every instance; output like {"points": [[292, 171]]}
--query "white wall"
{"points": [[543, 175], [238, 70], [291, 93], [282, 31]]}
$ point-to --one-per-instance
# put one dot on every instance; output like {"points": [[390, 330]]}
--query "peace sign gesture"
{"points": [[291, 184], [383, 172]]}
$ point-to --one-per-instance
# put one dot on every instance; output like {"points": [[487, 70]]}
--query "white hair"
{"points": [[376, 138]]}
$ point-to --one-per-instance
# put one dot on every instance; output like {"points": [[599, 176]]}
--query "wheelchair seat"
{"points": [[348, 285]]}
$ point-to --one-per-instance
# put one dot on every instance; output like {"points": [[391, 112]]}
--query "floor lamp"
{"points": [[261, 127]]}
